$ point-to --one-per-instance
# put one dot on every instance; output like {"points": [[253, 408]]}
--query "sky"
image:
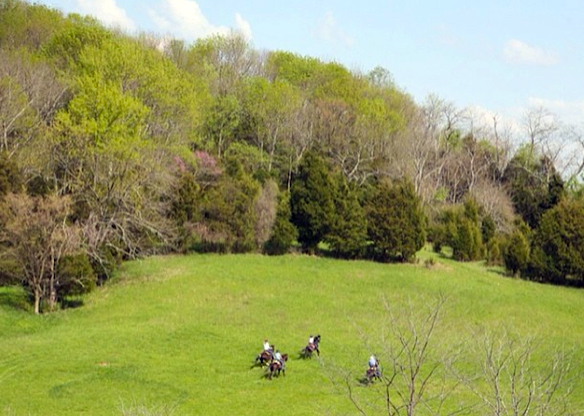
{"points": [[498, 57]]}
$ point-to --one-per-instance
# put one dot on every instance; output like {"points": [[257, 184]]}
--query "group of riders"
{"points": [[373, 371], [274, 355]]}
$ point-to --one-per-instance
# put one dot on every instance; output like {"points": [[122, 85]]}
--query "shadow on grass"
{"points": [[71, 303], [14, 298], [499, 271]]}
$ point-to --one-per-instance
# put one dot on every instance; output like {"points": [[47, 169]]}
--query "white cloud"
{"points": [[242, 26], [571, 112], [517, 52], [108, 12], [329, 30], [482, 119], [184, 19]]}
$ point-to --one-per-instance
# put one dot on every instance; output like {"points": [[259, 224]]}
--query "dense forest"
{"points": [[115, 146]]}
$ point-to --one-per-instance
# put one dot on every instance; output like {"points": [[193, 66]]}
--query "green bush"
{"points": [[494, 256], [9, 271], [516, 252], [105, 262], [461, 228], [75, 276]]}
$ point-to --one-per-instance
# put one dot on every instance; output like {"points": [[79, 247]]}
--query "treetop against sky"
{"points": [[499, 57]]}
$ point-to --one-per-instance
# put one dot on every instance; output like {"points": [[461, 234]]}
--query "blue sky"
{"points": [[498, 57]]}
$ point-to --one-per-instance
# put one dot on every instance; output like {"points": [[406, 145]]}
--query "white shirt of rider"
{"points": [[372, 361], [311, 340], [278, 356], [266, 346]]}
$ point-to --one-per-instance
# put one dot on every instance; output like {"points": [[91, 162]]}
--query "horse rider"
{"points": [[311, 342], [278, 358], [373, 362], [268, 348]]}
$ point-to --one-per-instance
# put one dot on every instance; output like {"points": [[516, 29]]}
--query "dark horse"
{"points": [[276, 367], [310, 348], [372, 374], [264, 358]]}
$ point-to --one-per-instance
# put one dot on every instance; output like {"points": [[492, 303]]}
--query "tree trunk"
{"points": [[37, 302]]}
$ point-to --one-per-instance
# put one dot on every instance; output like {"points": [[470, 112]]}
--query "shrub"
{"points": [[75, 276], [516, 253], [461, 229]]}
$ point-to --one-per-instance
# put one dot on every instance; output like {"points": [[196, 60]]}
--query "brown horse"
{"points": [[276, 367], [372, 374], [310, 348], [264, 358]]}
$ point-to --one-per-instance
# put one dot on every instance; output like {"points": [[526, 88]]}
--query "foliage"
{"points": [[75, 276], [347, 237], [228, 213], [10, 177], [395, 221], [558, 244], [284, 233], [265, 208], [37, 237], [462, 229], [312, 201], [516, 252], [534, 186], [27, 25], [162, 146], [185, 200]]}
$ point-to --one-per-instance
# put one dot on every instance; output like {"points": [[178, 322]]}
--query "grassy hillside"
{"points": [[177, 335]]}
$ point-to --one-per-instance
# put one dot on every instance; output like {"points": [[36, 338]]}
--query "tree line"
{"points": [[115, 146]]}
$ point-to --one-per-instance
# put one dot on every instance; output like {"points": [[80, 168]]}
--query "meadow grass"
{"points": [[178, 334]]}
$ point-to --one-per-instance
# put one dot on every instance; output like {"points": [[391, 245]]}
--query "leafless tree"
{"points": [[512, 381], [413, 365], [30, 95], [265, 209], [37, 236]]}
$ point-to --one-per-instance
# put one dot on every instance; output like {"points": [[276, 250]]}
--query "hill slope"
{"points": [[177, 335]]}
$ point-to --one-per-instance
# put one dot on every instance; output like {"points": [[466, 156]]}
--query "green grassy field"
{"points": [[177, 335]]}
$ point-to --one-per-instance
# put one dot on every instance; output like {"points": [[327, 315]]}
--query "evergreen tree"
{"points": [[460, 228], [348, 234], [284, 233], [516, 252], [312, 201], [228, 211], [558, 244], [395, 221], [534, 186]]}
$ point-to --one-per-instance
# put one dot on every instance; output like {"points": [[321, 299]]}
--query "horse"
{"points": [[276, 367], [372, 373], [310, 348], [264, 358]]}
